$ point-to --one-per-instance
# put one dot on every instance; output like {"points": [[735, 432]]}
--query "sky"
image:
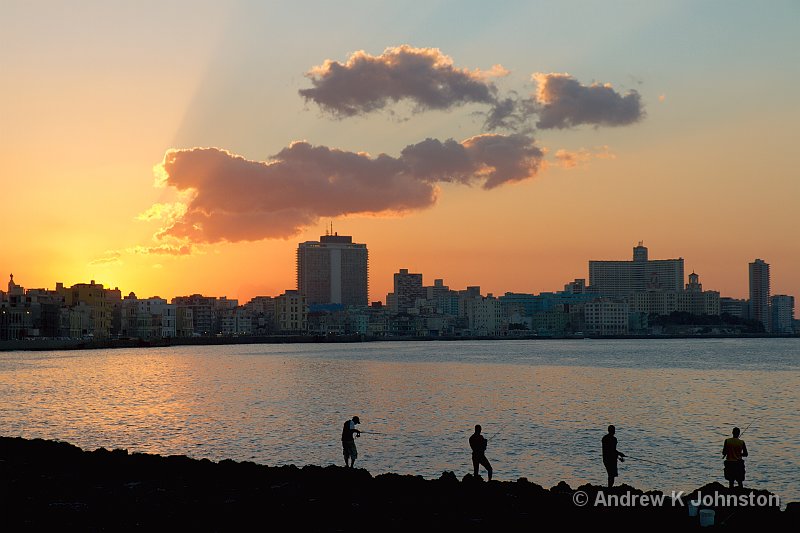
{"points": [[170, 148]]}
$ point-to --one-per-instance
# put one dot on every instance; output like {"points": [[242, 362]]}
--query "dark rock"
{"points": [[448, 477], [47, 485]]}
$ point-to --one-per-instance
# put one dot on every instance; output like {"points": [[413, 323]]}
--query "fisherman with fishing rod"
{"points": [[348, 442], [478, 443], [734, 450], [611, 454]]}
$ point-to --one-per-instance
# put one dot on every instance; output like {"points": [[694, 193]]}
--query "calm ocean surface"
{"points": [[547, 403]]}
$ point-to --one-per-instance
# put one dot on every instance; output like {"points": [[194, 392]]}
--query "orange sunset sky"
{"points": [[668, 122]]}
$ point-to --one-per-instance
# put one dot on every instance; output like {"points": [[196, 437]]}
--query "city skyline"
{"points": [[687, 144], [640, 255]]}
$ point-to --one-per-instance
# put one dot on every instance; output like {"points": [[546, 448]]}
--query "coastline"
{"points": [[49, 485], [81, 344]]}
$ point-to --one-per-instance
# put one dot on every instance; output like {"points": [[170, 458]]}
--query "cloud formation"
{"points": [[226, 197], [428, 79], [563, 102], [236, 199], [424, 76], [571, 159]]}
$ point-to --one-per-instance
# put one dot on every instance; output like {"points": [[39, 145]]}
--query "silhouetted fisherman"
{"points": [[478, 443], [610, 455], [348, 443], [734, 450]]}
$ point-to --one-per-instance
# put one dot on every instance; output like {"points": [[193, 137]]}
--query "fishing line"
{"points": [[496, 433], [649, 461]]}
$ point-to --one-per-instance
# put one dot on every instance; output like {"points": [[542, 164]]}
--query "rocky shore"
{"points": [[54, 486]]}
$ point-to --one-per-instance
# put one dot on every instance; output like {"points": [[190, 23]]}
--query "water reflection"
{"points": [[545, 405]]}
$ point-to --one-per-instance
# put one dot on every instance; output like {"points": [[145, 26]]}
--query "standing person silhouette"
{"points": [[348, 443], [610, 455], [734, 450], [478, 443]]}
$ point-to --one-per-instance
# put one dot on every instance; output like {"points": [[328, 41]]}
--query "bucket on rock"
{"points": [[692, 508], [706, 517]]}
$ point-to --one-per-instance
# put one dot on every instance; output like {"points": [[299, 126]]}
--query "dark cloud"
{"points": [[489, 158], [427, 78], [562, 102], [235, 199], [504, 159], [423, 76]]}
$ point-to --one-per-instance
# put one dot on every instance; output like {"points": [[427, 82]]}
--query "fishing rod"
{"points": [[750, 424], [496, 433], [375, 433]]}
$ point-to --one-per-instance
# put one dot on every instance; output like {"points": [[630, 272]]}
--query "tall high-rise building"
{"points": [[759, 292], [618, 279], [407, 290], [333, 270]]}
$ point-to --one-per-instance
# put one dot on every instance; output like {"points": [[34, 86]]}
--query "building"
{"points": [[618, 279], [203, 313], [693, 300], [530, 304], [16, 320], [552, 322], [606, 317], [262, 311], [782, 311], [484, 315], [407, 290], [759, 292], [443, 300], [100, 301], [292, 312], [577, 286], [236, 321], [184, 322], [147, 318], [734, 307], [333, 270]]}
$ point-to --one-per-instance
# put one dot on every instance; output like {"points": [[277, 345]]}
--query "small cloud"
{"points": [[497, 71], [567, 159], [158, 266], [162, 249], [109, 258], [603, 152], [163, 211], [571, 159], [563, 102]]}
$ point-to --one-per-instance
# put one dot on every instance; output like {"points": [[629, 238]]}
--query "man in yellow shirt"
{"points": [[734, 450]]}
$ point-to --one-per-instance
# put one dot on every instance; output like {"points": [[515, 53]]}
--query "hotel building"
{"points": [[333, 270]]}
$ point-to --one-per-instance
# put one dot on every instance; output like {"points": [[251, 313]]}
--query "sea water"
{"points": [[544, 405]]}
